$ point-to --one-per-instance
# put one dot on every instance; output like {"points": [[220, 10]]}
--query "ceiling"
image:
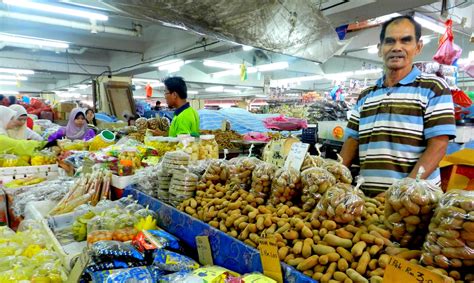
{"points": [[128, 45]]}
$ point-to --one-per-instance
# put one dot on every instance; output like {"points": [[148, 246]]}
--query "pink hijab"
{"points": [[74, 132]]}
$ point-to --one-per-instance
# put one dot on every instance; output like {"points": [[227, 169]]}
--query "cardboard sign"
{"points": [[270, 260], [79, 266], [296, 156], [204, 250], [276, 157], [400, 270]]}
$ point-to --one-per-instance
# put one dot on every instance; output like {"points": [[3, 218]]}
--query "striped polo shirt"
{"points": [[393, 124]]}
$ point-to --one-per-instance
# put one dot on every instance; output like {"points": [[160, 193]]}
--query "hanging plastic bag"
{"points": [[461, 98], [448, 51]]}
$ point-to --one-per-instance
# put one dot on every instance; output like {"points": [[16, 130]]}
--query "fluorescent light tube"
{"points": [[226, 73], [9, 92], [11, 77], [247, 48], [167, 62], [7, 83], [17, 71], [137, 87], [141, 80], [57, 9], [40, 42], [215, 89], [430, 24], [372, 49], [235, 91], [220, 64], [193, 92], [244, 87], [272, 66]]}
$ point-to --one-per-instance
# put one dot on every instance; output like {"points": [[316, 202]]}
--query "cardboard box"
{"points": [[457, 170], [66, 106]]}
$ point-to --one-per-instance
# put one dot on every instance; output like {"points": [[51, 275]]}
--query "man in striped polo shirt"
{"points": [[405, 120]]}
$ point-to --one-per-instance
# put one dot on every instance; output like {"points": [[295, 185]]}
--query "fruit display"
{"points": [[224, 138], [450, 240], [285, 186], [79, 227], [88, 188], [68, 145], [25, 257], [262, 177], [162, 144], [190, 146], [240, 171], [409, 207], [208, 147], [216, 173], [341, 203], [100, 228], [43, 158], [316, 181]]}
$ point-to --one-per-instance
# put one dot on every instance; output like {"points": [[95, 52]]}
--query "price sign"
{"points": [[270, 260], [87, 166], [296, 156], [276, 157], [204, 250], [79, 266], [400, 270]]}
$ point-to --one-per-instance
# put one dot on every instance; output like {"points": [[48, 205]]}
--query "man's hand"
{"points": [[349, 151], [434, 152]]}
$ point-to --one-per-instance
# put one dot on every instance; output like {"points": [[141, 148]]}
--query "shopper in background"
{"points": [[20, 131], [76, 128], [4, 100], [90, 117], [404, 121], [157, 106], [186, 119], [10, 145]]}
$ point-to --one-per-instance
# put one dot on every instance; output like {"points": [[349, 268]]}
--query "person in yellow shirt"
{"points": [[10, 145]]}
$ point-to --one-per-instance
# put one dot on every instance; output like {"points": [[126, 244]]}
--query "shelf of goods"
{"points": [[227, 251]]}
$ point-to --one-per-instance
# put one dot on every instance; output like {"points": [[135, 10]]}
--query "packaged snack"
{"points": [[100, 265], [79, 227], [341, 172], [216, 173], [142, 274], [153, 123], [240, 172], [450, 240], [156, 239], [146, 180], [315, 181], [190, 146], [174, 161], [144, 213], [341, 203], [141, 124], [180, 277], [409, 205], [262, 177], [285, 186], [100, 228], [123, 227], [257, 278], [208, 147], [183, 186], [214, 273], [171, 261], [134, 207], [132, 156], [199, 167], [164, 180], [105, 250]]}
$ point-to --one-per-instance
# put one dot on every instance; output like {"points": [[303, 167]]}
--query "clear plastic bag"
{"points": [[123, 227], [450, 240], [146, 180], [262, 177], [409, 205], [183, 186], [174, 161], [216, 173], [341, 172], [312, 161], [199, 167], [141, 124], [285, 186], [240, 170], [110, 250], [100, 228], [342, 203], [315, 182]]}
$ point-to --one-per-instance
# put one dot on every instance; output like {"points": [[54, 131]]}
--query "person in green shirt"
{"points": [[186, 118]]}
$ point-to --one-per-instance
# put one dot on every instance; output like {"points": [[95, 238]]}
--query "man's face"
{"points": [[399, 46], [171, 98]]}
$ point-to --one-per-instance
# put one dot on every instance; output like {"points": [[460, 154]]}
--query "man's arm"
{"points": [[349, 151], [435, 151]]}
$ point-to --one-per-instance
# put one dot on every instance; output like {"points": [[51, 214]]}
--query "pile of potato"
{"points": [[408, 209], [450, 241]]}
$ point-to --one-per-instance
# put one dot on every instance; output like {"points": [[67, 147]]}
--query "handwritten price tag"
{"points": [[204, 250], [270, 260], [296, 156], [400, 270]]}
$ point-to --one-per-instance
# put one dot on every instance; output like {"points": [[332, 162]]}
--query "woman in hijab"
{"points": [[21, 131], [11, 145], [76, 128]]}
